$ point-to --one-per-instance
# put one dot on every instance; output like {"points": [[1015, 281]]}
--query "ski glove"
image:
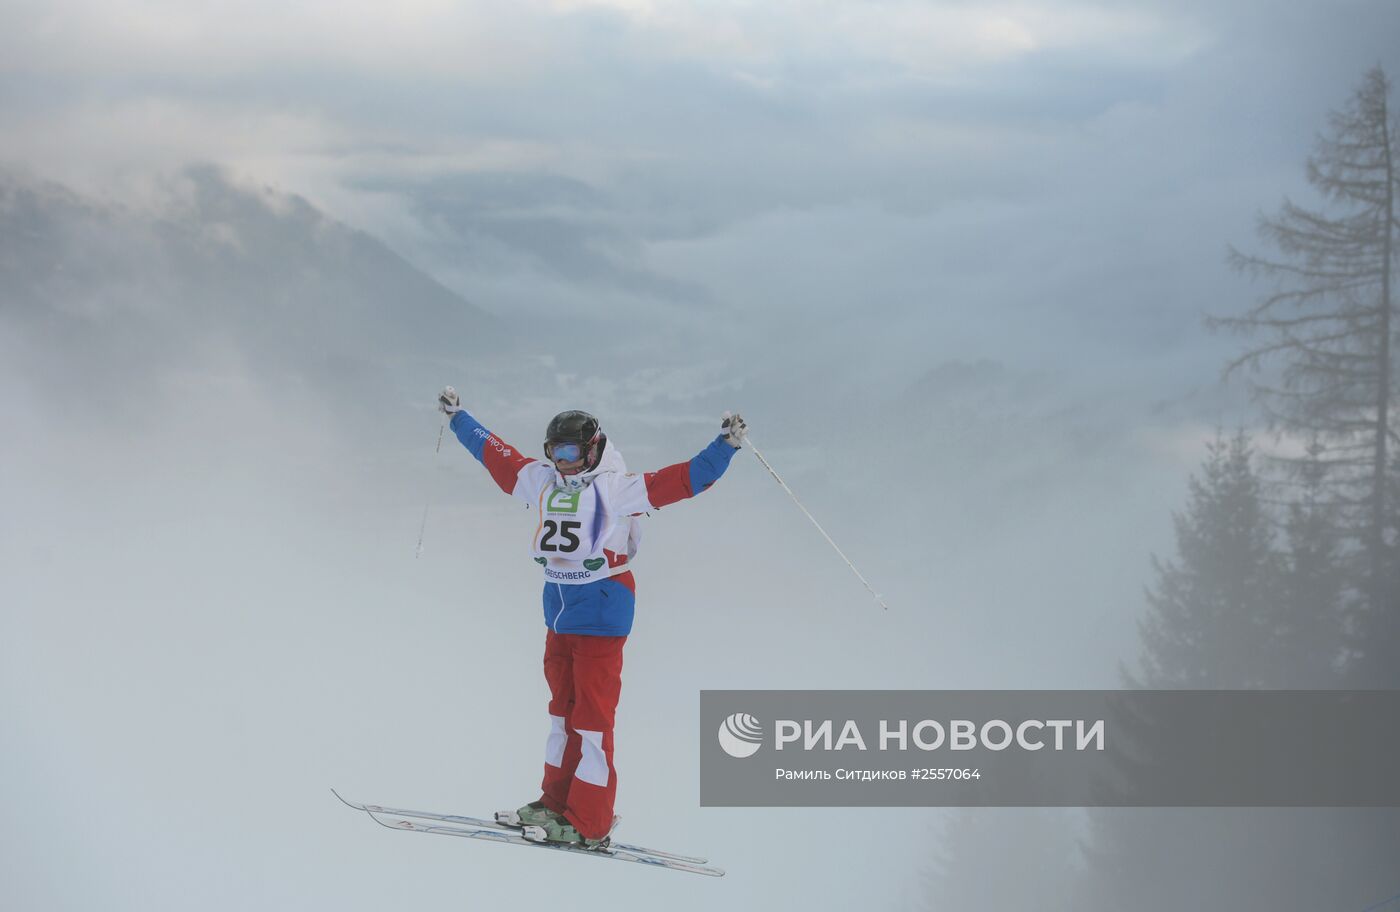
{"points": [[735, 430], [448, 401]]}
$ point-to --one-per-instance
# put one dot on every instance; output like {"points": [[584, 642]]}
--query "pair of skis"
{"points": [[476, 828]]}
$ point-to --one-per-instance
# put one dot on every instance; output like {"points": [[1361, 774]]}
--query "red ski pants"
{"points": [[585, 681]]}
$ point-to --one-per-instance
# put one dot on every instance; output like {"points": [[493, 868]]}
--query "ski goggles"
{"points": [[564, 452]]}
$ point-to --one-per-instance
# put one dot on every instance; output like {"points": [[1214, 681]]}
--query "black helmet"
{"points": [[580, 429]]}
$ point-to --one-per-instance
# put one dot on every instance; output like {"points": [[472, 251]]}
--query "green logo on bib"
{"points": [[562, 502], [595, 563], [541, 561]]}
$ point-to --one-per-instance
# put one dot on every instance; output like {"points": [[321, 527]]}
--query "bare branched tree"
{"points": [[1329, 324]]}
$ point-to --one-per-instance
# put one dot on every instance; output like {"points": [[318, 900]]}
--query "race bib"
{"points": [[571, 525]]}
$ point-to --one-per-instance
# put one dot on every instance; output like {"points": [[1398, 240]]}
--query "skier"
{"points": [[585, 536]]}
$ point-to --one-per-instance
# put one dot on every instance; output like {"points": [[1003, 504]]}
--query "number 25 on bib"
{"points": [[568, 523]]}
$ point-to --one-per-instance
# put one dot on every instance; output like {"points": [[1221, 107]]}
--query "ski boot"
{"points": [[532, 814], [559, 831]]}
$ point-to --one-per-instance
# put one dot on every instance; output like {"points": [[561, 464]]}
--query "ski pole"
{"points": [[878, 600], [423, 526]]}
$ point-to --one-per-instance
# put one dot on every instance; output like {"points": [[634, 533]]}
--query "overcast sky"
{"points": [[1011, 178], [978, 237]]}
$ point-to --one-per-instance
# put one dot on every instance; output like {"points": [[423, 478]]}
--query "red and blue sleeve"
{"points": [[502, 460], [686, 479]]}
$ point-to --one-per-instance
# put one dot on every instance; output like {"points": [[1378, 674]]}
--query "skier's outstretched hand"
{"points": [[448, 401], [735, 430]]}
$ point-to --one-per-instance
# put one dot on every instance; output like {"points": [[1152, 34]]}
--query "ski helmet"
{"points": [[575, 435]]}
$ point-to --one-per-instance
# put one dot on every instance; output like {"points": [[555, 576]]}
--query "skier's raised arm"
{"points": [[514, 472], [640, 493]]}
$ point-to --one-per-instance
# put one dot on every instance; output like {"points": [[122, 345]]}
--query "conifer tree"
{"points": [[1212, 609], [1328, 324]]}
